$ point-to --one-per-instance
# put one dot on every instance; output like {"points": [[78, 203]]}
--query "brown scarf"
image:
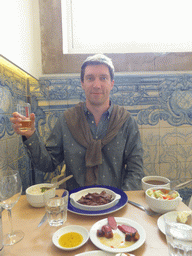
{"points": [[80, 130]]}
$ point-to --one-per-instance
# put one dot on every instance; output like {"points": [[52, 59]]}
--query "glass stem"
{"points": [[10, 219]]}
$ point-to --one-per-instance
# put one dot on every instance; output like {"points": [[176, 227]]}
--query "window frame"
{"points": [[55, 62]]}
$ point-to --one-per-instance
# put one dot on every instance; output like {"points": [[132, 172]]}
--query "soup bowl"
{"points": [[162, 200], [35, 197], [155, 181]]}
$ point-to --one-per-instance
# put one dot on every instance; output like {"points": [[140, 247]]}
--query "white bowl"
{"points": [[161, 205], [154, 180], [74, 228], [74, 197], [37, 200]]}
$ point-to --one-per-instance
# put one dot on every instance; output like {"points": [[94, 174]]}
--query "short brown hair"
{"points": [[98, 59]]}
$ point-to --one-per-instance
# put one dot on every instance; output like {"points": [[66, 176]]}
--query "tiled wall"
{"points": [[161, 104], [13, 89]]}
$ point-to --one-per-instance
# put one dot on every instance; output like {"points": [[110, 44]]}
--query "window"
{"points": [[126, 26]]}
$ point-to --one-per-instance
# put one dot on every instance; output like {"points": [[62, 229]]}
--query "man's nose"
{"points": [[97, 83]]}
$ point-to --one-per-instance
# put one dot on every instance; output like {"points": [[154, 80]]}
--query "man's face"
{"points": [[97, 85]]}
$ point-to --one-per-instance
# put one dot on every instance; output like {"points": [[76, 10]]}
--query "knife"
{"points": [[43, 220]]}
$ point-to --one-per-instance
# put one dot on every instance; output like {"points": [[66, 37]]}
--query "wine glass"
{"points": [[10, 192]]}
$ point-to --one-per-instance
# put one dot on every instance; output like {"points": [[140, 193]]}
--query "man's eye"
{"points": [[90, 78], [103, 78]]}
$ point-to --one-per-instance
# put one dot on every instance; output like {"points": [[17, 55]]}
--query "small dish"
{"points": [[74, 197], [161, 222], [73, 228]]}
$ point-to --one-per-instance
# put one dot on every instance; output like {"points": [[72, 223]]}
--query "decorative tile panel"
{"points": [[161, 104], [14, 88]]}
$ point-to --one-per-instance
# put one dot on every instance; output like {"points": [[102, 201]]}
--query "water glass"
{"points": [[10, 192], [56, 209], [1, 232], [25, 110], [178, 235]]}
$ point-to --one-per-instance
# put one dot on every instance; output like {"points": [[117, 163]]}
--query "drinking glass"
{"points": [[56, 209], [178, 235], [25, 110], [1, 233], [10, 192]]}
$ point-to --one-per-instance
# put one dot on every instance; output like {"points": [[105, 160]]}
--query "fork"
{"points": [[149, 212]]}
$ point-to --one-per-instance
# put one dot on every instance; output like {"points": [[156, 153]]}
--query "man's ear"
{"points": [[82, 85], [112, 84]]}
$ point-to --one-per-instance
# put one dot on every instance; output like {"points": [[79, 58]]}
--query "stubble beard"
{"points": [[97, 101]]}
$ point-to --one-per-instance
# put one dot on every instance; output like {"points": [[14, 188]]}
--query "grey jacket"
{"points": [[122, 164]]}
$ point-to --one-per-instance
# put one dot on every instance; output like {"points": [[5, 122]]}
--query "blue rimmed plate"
{"points": [[122, 202]]}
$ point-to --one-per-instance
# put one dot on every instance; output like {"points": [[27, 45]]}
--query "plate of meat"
{"points": [[119, 199], [94, 199], [102, 253], [117, 235], [95, 253]]}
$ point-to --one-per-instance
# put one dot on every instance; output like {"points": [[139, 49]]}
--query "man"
{"points": [[99, 142]]}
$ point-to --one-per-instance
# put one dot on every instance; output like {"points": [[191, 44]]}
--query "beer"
{"points": [[24, 109], [25, 124]]}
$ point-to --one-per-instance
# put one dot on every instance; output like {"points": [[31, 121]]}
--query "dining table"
{"points": [[37, 241]]}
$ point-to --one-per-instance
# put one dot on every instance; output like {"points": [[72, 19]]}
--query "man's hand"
{"points": [[16, 119]]}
